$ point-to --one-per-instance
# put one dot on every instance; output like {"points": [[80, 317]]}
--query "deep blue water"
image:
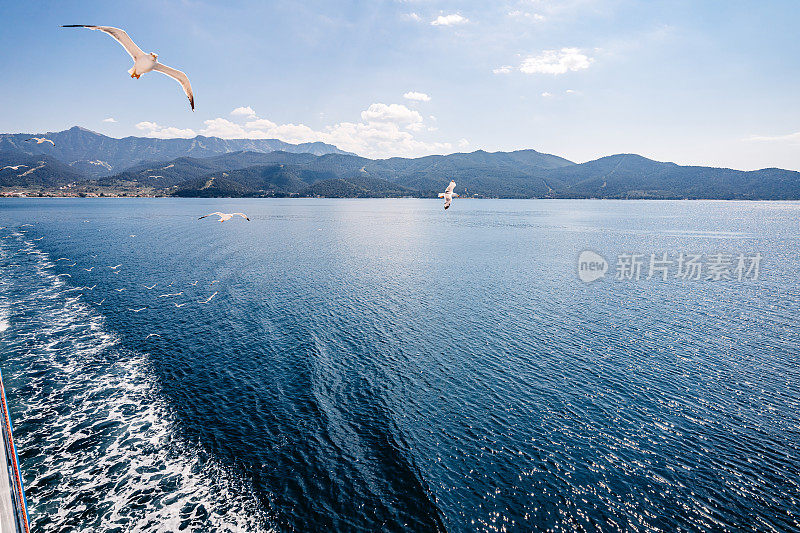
{"points": [[386, 365]]}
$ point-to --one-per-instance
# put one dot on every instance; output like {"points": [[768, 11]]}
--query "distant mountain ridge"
{"points": [[96, 155], [210, 167]]}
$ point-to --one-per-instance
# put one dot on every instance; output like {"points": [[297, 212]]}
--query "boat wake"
{"points": [[98, 445]]}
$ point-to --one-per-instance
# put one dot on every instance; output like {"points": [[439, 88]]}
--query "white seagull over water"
{"points": [[142, 62], [40, 140], [224, 216], [448, 194], [14, 167], [209, 299]]}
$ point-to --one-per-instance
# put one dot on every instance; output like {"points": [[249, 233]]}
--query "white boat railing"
{"points": [[13, 508]]}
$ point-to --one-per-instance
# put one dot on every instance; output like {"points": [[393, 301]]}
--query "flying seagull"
{"points": [[40, 140], [225, 216], [13, 167], [209, 299], [142, 62], [448, 194]]}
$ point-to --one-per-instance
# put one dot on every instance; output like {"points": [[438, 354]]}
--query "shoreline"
{"points": [[389, 198]]}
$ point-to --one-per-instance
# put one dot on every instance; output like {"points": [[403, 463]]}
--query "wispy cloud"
{"points": [[791, 138], [568, 92], [556, 62], [412, 16], [526, 15], [449, 20], [152, 129], [417, 96], [505, 69], [109, 120]]}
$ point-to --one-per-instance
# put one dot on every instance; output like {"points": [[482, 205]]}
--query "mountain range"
{"points": [[84, 162]]}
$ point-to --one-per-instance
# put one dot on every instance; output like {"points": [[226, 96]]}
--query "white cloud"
{"points": [[412, 16], [547, 95], [505, 69], [259, 124], [556, 62], [243, 111], [396, 113], [791, 137], [524, 14], [385, 130], [110, 120], [152, 129], [419, 97], [463, 143], [449, 20], [224, 128]]}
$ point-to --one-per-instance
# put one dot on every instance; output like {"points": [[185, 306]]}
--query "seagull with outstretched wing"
{"points": [[225, 216], [40, 140], [448, 194], [142, 62]]}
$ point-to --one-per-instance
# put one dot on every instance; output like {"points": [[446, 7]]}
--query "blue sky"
{"points": [[709, 82]]}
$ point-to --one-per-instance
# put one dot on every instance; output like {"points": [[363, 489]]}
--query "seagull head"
{"points": [[154, 56]]}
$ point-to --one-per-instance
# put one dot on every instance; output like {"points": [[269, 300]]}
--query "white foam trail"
{"points": [[98, 443]]}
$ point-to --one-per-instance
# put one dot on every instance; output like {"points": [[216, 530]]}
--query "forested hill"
{"points": [[84, 162]]}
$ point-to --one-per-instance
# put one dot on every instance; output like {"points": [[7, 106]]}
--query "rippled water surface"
{"points": [[386, 365]]}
